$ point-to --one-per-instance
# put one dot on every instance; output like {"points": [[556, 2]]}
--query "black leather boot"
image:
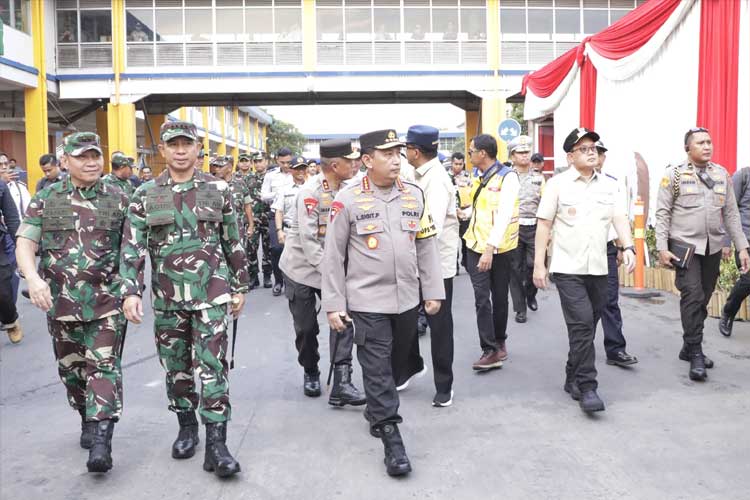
{"points": [[254, 282], [344, 392], [685, 356], [311, 385], [100, 454], [187, 437], [725, 324], [267, 281], [396, 461], [697, 363], [218, 459], [87, 431]]}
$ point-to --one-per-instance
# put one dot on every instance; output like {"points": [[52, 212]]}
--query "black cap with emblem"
{"points": [[299, 162], [380, 139], [338, 148], [576, 135]]}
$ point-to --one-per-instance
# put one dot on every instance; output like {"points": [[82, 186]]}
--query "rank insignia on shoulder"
{"points": [[310, 204]]}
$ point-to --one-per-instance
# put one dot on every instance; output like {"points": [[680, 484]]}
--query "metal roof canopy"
{"points": [[166, 103]]}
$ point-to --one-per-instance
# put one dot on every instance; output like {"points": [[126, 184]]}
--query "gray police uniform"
{"points": [[301, 263], [379, 247], [688, 210], [741, 289], [521, 278]]}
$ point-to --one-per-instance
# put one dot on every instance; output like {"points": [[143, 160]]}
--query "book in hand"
{"points": [[683, 251]]}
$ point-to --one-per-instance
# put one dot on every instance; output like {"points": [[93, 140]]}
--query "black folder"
{"points": [[683, 251]]}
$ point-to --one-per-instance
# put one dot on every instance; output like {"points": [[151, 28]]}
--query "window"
{"points": [[198, 25], [16, 13], [568, 21], [168, 25], [67, 26], [229, 25], [84, 34], [540, 21], [140, 25], [259, 24], [288, 25], [416, 23], [594, 21], [512, 21], [387, 24], [96, 26], [330, 24]]}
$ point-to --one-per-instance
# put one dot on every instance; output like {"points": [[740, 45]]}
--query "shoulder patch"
{"points": [[336, 207], [664, 182], [310, 204]]}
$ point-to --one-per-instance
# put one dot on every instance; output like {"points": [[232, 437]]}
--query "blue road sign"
{"points": [[509, 129]]}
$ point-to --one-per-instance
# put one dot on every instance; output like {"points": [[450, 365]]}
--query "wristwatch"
{"points": [[631, 248]]}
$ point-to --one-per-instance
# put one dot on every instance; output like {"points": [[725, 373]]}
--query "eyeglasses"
{"points": [[472, 151], [586, 149]]}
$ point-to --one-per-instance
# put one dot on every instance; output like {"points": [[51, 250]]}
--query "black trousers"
{"points": [[582, 297], [8, 312], [614, 341], [375, 334], [739, 292], [305, 315], [492, 315], [463, 225], [522, 271], [276, 249], [696, 284]]}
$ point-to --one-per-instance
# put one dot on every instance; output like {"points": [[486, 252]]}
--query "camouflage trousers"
{"points": [[189, 341], [260, 236], [88, 355]]}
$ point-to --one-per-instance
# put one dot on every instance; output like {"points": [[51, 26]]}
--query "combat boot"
{"points": [[87, 430], [267, 280], [344, 392], [14, 331], [685, 356], [396, 461], [100, 454], [187, 437], [218, 459], [254, 282], [697, 363]]}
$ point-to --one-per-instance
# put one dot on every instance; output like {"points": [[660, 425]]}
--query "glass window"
{"points": [[96, 26], [616, 15], [358, 23], [259, 24], [168, 25], [5, 11], [568, 21], [474, 22], [229, 24], [67, 26], [416, 23], [330, 23], [387, 24], [445, 22], [140, 25], [512, 21], [198, 25], [22, 15], [540, 21], [288, 25], [594, 20]]}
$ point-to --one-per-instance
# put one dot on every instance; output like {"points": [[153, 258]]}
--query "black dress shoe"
{"points": [[685, 356], [531, 302], [725, 325], [277, 289], [590, 401], [311, 387], [521, 317], [622, 358]]}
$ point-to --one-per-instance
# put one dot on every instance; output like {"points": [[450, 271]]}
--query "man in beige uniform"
{"points": [[577, 209], [695, 204], [379, 252], [301, 262]]}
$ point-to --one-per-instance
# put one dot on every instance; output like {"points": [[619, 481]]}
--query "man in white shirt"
{"points": [[283, 211], [440, 200], [18, 190], [274, 182]]}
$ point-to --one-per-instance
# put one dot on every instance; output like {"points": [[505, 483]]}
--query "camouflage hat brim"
{"points": [[83, 149], [168, 135]]}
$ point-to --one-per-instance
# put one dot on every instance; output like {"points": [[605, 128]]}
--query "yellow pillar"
{"points": [[101, 129], [248, 119], [157, 164], [309, 55], [222, 149], [206, 141], [35, 101], [263, 135], [120, 116], [472, 129], [493, 104], [236, 123]]}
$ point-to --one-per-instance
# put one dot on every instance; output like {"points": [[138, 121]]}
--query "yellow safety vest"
{"points": [[483, 215]]}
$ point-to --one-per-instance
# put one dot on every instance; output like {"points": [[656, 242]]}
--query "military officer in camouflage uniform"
{"points": [[261, 215], [221, 167], [696, 206], [301, 261], [522, 289], [122, 171], [76, 225], [185, 221], [381, 228]]}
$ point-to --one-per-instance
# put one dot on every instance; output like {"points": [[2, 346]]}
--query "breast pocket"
{"points": [[569, 210], [605, 205], [56, 231], [719, 196], [691, 200], [160, 226]]}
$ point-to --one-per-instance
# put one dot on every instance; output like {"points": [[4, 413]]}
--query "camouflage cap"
{"points": [[78, 143], [171, 130], [218, 161], [258, 156], [120, 160], [244, 157]]}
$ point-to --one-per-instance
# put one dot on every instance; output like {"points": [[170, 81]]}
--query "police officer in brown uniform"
{"points": [[696, 206], [379, 252], [301, 262]]}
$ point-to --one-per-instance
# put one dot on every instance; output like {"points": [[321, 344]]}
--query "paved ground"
{"points": [[511, 433]]}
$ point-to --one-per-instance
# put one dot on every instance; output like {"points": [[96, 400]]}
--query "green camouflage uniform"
{"points": [[190, 232], [261, 213], [79, 231], [125, 185], [241, 197]]}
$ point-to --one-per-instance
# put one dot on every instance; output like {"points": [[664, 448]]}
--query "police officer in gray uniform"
{"points": [[522, 289], [301, 262], [696, 203], [379, 251]]}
